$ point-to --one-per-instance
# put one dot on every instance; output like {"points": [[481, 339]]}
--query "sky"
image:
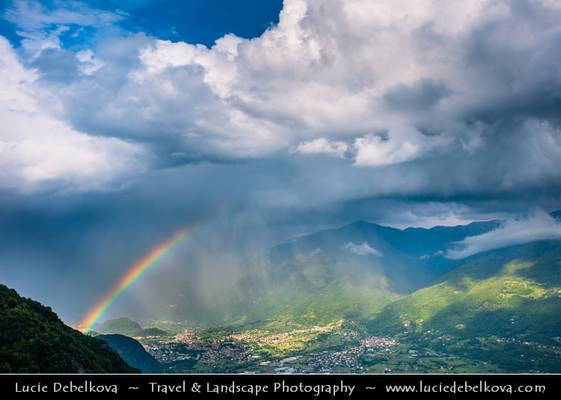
{"points": [[123, 121]]}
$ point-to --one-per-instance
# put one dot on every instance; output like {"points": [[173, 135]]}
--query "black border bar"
{"points": [[231, 386]]}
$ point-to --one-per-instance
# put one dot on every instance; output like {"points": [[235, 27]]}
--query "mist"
{"points": [[534, 227]]}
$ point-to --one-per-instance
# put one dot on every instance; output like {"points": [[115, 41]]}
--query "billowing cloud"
{"points": [[379, 85], [40, 150], [399, 145], [468, 87], [402, 99], [538, 226]]}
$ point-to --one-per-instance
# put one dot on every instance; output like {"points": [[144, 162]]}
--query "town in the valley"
{"points": [[317, 349]]}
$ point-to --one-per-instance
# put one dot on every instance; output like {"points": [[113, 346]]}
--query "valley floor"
{"points": [[342, 347]]}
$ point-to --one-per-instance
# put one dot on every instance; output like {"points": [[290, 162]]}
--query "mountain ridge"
{"points": [[505, 300], [132, 352], [34, 339]]}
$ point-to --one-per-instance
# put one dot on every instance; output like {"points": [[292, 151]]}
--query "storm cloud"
{"points": [[378, 84]]}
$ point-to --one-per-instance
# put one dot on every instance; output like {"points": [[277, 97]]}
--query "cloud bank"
{"points": [[538, 226], [40, 150], [468, 87]]}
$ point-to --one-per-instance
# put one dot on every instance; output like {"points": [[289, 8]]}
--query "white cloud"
{"points": [[441, 218], [362, 249], [315, 252], [88, 62], [41, 26], [312, 75], [399, 145], [537, 226], [323, 146], [32, 15], [36, 148]]}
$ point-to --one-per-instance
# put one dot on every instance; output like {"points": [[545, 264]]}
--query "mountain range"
{"points": [[345, 273]]}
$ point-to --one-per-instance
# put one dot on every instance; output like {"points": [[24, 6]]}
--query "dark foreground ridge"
{"points": [[34, 339]]}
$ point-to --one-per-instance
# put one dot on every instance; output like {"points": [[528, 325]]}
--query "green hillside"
{"points": [[132, 352], [296, 305], [345, 273], [315, 290], [502, 306], [34, 339]]}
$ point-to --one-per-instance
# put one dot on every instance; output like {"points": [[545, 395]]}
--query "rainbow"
{"points": [[126, 281]]}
